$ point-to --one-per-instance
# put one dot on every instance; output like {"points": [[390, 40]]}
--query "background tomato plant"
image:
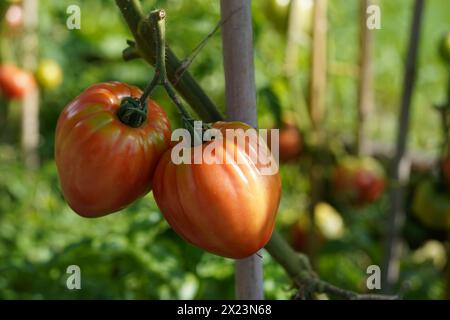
{"points": [[135, 254]]}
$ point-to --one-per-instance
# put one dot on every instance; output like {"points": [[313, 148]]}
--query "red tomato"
{"points": [[358, 181], [290, 142], [15, 82], [229, 208], [14, 17], [445, 169], [298, 236], [104, 164]]}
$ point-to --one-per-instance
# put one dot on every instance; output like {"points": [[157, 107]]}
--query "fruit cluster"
{"points": [[16, 82], [109, 152]]}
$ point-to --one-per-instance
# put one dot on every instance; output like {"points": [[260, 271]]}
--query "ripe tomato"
{"points": [[432, 206], [14, 17], [228, 208], [290, 142], [104, 164], [358, 181], [299, 234], [49, 74], [15, 82]]}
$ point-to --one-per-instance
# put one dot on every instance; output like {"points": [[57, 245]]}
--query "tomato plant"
{"points": [[432, 206], [103, 163], [15, 82], [358, 181], [226, 208]]}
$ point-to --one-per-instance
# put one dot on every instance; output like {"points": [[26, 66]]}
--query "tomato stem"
{"points": [[156, 21], [131, 112]]}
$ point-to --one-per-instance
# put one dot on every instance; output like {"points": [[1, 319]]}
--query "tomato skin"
{"points": [[228, 209], [15, 82], [432, 206], [358, 181], [104, 164]]}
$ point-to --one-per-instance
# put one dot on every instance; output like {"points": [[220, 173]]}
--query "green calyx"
{"points": [[131, 112]]}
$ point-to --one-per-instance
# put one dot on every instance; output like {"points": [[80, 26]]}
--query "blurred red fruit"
{"points": [[290, 142], [445, 167], [358, 181], [15, 82], [14, 17]]}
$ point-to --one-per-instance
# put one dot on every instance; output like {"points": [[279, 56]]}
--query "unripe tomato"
{"points": [[290, 142], [431, 251], [328, 221], [104, 164], [15, 82], [226, 208], [444, 47], [358, 181], [432, 206], [49, 74]]}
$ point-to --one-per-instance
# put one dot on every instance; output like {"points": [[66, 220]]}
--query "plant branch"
{"points": [[155, 24], [186, 86], [130, 53], [400, 164], [299, 269]]}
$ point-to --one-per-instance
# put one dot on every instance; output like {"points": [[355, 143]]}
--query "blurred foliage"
{"points": [[134, 253]]}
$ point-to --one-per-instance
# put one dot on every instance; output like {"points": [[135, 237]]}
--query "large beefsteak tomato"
{"points": [[225, 208], [103, 163]]}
